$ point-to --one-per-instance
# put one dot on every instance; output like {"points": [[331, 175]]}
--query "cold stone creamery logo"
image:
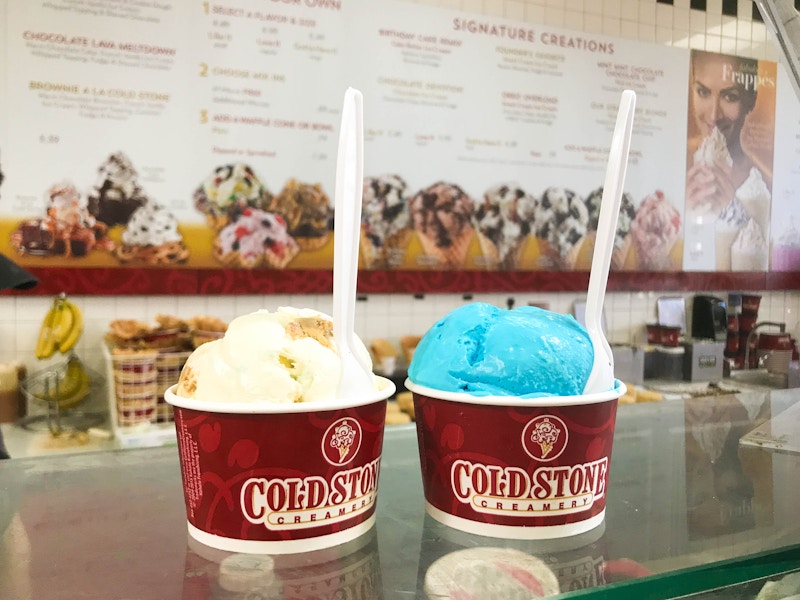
{"points": [[343, 437], [545, 437], [544, 491], [312, 501]]}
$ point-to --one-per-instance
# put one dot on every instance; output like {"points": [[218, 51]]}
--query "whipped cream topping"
{"points": [[384, 208], [712, 149], [657, 225], [734, 216], [750, 239], [753, 188], [117, 177], [443, 212], [627, 213], [67, 206], [151, 225], [561, 218], [504, 216], [231, 185], [253, 233]]}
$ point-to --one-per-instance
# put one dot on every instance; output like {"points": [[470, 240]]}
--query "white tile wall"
{"points": [[394, 315], [379, 315]]}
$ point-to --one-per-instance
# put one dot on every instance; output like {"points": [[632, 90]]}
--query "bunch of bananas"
{"points": [[61, 328], [67, 385]]}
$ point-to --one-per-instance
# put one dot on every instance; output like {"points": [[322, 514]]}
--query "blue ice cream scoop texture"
{"points": [[484, 350]]}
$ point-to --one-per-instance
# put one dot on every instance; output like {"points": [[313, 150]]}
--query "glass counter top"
{"points": [[689, 510]]}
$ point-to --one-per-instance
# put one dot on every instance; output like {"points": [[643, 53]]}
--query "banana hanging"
{"points": [[61, 328], [67, 343], [46, 344]]}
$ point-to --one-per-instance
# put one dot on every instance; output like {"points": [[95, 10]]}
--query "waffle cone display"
{"points": [[169, 253], [453, 256], [570, 259], [217, 222], [313, 243], [235, 260], [388, 256], [620, 255], [491, 254], [551, 259]]}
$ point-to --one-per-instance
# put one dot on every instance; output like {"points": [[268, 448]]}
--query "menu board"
{"points": [[498, 109], [204, 135]]}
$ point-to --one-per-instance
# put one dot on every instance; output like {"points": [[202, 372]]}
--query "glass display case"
{"points": [[691, 512]]}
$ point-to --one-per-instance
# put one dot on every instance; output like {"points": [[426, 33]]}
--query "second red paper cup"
{"points": [[515, 468]]}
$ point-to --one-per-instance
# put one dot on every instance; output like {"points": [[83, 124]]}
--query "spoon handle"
{"points": [[347, 221], [609, 210]]}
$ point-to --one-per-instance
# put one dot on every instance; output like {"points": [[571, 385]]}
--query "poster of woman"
{"points": [[730, 147]]}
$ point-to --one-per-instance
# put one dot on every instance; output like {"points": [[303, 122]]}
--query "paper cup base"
{"points": [[546, 532], [284, 546]]}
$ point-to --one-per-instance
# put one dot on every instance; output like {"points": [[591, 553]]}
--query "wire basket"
{"points": [[139, 414], [62, 390]]}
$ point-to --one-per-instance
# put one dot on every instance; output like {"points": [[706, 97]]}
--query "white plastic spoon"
{"points": [[356, 380], [601, 377]]}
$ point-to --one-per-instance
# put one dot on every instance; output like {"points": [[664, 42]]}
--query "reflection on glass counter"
{"points": [[691, 512]]}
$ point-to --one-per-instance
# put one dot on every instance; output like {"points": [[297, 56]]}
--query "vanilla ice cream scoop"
{"points": [[277, 357]]}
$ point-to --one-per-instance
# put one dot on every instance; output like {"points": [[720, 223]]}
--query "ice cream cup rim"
{"points": [[612, 394], [386, 388]]}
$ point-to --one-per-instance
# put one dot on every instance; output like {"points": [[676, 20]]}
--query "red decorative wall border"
{"points": [[128, 282]]}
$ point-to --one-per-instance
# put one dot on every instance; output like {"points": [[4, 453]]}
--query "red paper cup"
{"points": [[751, 303], [670, 336], [280, 478], [515, 468]]}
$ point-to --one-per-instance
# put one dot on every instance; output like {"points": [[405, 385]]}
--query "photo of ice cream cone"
{"points": [[385, 222], [750, 251], [452, 256], [570, 259], [545, 434], [307, 212], [227, 191], [562, 220], [389, 254], [619, 257], [622, 240], [655, 231], [257, 238], [368, 254], [441, 217], [503, 221], [491, 255]]}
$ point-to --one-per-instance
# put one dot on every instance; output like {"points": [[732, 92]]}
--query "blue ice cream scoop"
{"points": [[484, 350]]}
